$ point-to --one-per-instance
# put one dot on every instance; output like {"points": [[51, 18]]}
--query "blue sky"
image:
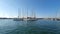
{"points": [[42, 8]]}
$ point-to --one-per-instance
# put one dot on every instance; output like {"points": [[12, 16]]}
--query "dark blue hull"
{"points": [[18, 19]]}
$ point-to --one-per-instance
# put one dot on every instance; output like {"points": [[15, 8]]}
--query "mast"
{"points": [[33, 14], [21, 13], [56, 14], [18, 13], [27, 12]]}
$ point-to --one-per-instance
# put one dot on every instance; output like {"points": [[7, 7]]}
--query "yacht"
{"points": [[32, 18], [18, 18]]}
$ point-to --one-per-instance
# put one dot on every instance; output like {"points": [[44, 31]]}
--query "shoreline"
{"points": [[36, 18]]}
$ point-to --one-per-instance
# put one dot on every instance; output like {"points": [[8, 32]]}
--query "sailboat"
{"points": [[18, 18], [32, 18]]}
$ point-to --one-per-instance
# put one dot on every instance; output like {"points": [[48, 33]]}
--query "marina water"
{"points": [[8, 26]]}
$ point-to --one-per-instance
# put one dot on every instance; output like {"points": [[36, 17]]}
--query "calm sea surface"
{"points": [[8, 26]]}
